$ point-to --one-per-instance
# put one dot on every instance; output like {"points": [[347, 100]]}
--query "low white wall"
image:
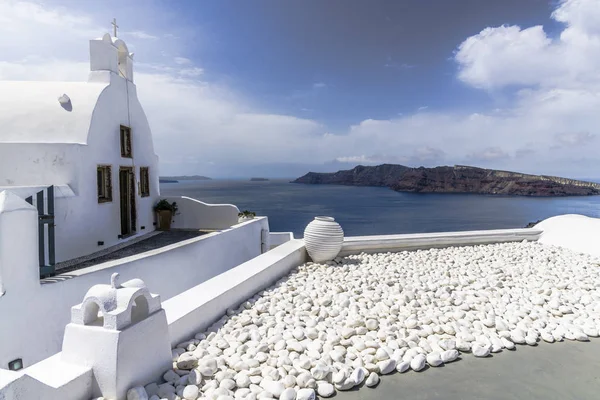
{"points": [[384, 243], [50, 379], [575, 232], [279, 238], [186, 313], [168, 271], [194, 214], [195, 309]]}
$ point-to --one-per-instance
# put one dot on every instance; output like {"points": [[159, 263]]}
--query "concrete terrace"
{"points": [[556, 371], [152, 241]]}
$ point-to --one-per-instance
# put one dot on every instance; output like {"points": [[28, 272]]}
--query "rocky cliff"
{"points": [[457, 179]]}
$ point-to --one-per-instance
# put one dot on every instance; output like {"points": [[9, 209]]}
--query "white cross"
{"points": [[115, 26]]}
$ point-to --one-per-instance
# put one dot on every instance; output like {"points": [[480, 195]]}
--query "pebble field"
{"points": [[334, 326]]}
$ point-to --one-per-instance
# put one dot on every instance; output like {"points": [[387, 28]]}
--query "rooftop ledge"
{"points": [[416, 241]]}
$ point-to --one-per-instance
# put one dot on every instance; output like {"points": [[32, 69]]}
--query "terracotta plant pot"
{"points": [[164, 220], [323, 239]]}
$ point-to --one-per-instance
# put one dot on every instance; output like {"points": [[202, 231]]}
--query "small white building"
{"points": [[92, 142]]}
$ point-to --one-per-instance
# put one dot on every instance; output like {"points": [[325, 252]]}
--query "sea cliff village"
{"points": [[109, 290]]}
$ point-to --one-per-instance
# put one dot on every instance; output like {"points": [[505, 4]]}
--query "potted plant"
{"points": [[246, 215], [165, 212]]}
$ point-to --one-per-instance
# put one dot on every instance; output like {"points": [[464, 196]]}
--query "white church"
{"points": [[92, 142]]}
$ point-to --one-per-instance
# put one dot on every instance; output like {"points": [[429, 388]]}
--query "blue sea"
{"points": [[374, 210]]}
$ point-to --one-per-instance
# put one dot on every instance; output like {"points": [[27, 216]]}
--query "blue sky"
{"points": [[277, 88]]}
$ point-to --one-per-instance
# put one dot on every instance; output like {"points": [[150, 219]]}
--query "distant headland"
{"points": [[456, 179], [175, 179], [259, 179]]}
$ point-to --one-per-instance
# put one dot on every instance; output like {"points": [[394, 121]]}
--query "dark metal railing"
{"points": [[45, 217]]}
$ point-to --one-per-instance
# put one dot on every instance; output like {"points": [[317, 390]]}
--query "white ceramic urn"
{"points": [[323, 239]]}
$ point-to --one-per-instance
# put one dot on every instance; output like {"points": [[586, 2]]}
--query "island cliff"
{"points": [[457, 179]]}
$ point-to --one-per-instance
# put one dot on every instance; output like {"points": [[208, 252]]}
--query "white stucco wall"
{"points": [[415, 241], [279, 238], [123, 364], [50, 379], [168, 271], [42, 144], [195, 214]]}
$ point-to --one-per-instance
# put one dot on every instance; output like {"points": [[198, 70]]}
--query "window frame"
{"points": [[125, 141], [145, 181], [106, 171]]}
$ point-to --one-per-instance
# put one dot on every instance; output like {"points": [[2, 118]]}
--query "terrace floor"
{"points": [[151, 241], [373, 311], [556, 371]]}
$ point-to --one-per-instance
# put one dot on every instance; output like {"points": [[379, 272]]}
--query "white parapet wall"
{"points": [[34, 313], [193, 310], [416, 241], [195, 214], [279, 238]]}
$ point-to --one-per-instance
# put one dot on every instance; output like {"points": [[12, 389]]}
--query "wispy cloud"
{"points": [[574, 138], [191, 72], [140, 35], [319, 85], [390, 63], [488, 154], [182, 61]]}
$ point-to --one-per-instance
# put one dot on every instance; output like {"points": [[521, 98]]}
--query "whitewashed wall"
{"points": [[62, 377], [195, 214], [168, 271], [82, 222]]}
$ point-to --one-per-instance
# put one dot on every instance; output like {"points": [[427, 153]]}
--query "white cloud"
{"points": [[372, 159], [488, 154], [182, 61], [575, 138], [429, 154], [509, 55], [191, 72], [550, 127], [139, 35]]}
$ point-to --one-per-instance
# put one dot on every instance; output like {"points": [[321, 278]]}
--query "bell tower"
{"points": [[109, 53]]}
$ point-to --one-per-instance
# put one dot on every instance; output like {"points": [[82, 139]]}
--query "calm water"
{"points": [[369, 211]]}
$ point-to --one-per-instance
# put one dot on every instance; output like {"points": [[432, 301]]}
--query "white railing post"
{"points": [[19, 266]]}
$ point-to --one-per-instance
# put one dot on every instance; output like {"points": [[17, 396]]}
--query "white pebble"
{"points": [[434, 359], [402, 366], [137, 393], [288, 394], [449, 356], [418, 363], [386, 366], [190, 392], [480, 350], [306, 394], [325, 389], [372, 380]]}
